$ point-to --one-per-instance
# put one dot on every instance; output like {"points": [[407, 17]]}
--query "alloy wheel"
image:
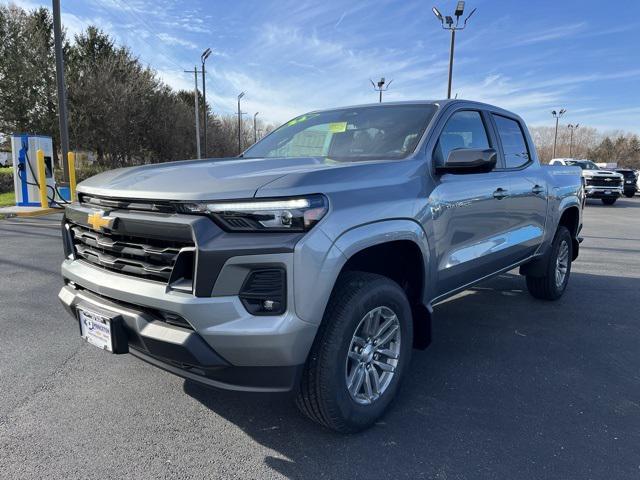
{"points": [[562, 263], [373, 355]]}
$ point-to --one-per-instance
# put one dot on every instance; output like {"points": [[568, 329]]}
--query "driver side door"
{"points": [[468, 210]]}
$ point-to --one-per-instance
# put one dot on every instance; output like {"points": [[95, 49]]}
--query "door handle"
{"points": [[500, 193], [537, 189]]}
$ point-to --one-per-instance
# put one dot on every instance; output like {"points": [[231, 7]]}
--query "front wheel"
{"points": [[552, 285], [359, 355], [629, 195], [609, 201]]}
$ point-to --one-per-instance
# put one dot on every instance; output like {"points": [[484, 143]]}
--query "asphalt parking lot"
{"points": [[510, 388]]}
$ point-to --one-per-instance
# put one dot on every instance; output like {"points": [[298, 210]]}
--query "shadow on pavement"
{"points": [[511, 387], [620, 203]]}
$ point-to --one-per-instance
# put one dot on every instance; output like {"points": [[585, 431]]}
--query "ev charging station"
{"points": [[24, 148]]}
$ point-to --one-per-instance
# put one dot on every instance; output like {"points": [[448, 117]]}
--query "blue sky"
{"points": [[295, 56]]}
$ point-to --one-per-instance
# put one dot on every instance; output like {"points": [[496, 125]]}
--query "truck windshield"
{"points": [[350, 134], [583, 164]]}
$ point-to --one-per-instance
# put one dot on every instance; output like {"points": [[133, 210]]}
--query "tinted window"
{"points": [[463, 130], [514, 146]]}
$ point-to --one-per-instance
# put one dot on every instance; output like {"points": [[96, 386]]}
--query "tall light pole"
{"points": [[557, 116], [62, 94], [448, 24], [203, 58], [255, 128], [571, 129], [195, 104], [379, 87], [240, 124]]}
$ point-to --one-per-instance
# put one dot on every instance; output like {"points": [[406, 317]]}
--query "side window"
{"points": [[465, 129], [516, 153]]}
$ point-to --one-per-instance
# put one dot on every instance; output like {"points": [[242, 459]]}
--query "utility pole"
{"points": [[453, 28], [203, 58], [255, 128], [195, 104], [62, 96], [380, 87], [571, 129], [557, 116], [240, 125]]}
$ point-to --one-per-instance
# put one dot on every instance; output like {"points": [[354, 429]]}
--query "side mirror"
{"points": [[469, 160]]}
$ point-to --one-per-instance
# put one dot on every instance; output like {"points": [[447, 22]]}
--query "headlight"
{"points": [[270, 215]]}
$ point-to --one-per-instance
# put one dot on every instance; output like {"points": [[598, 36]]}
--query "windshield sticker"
{"points": [[338, 127], [301, 119]]}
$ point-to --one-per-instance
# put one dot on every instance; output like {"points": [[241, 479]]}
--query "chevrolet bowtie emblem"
{"points": [[98, 222]]}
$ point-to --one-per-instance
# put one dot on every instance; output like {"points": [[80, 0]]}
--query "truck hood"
{"points": [[209, 179], [599, 173]]}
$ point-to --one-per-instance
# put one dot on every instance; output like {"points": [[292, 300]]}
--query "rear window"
{"points": [[514, 146]]}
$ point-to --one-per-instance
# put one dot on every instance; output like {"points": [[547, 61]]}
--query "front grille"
{"points": [[148, 258], [604, 181]]}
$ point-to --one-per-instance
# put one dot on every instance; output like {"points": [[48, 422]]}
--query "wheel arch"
{"points": [[398, 250], [570, 218]]}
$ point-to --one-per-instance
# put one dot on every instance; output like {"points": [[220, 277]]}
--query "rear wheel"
{"points": [[552, 285], [609, 201], [359, 355]]}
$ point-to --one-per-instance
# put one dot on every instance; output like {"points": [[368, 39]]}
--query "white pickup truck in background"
{"points": [[598, 183]]}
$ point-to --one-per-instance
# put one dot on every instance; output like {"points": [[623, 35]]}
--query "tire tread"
{"points": [[312, 389]]}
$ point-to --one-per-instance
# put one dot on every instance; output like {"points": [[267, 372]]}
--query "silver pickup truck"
{"points": [[312, 262]]}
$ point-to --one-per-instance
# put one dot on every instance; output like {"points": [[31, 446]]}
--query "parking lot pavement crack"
{"points": [[42, 388]]}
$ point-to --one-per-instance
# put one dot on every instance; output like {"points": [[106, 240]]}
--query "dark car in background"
{"points": [[630, 182]]}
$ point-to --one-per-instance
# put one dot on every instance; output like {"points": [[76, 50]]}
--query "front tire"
{"points": [[552, 285], [359, 355], [609, 201], [629, 195]]}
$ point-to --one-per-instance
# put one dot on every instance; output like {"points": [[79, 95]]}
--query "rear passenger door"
{"points": [[526, 205], [467, 210]]}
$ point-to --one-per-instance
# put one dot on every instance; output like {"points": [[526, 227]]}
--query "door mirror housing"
{"points": [[469, 160]]}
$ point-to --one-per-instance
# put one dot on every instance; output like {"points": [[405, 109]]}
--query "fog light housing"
{"points": [[264, 291]]}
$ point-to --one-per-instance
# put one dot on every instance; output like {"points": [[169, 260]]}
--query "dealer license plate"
{"points": [[96, 329], [607, 192]]}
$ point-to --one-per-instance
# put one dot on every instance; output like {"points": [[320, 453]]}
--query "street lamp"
{"points": [[203, 58], [557, 116], [448, 24], [240, 125], [571, 129], [255, 128], [379, 87]]}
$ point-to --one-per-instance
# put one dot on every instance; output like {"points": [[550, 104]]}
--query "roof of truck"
{"points": [[440, 103]]}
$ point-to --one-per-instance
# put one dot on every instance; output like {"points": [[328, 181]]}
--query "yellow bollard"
{"points": [[42, 180], [71, 161]]}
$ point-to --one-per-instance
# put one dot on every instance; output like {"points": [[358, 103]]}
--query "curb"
{"points": [[38, 213]]}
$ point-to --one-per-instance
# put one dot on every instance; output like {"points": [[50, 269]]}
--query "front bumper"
{"points": [[246, 356], [602, 192]]}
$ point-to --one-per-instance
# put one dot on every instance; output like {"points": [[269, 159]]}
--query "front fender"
{"points": [[318, 261]]}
